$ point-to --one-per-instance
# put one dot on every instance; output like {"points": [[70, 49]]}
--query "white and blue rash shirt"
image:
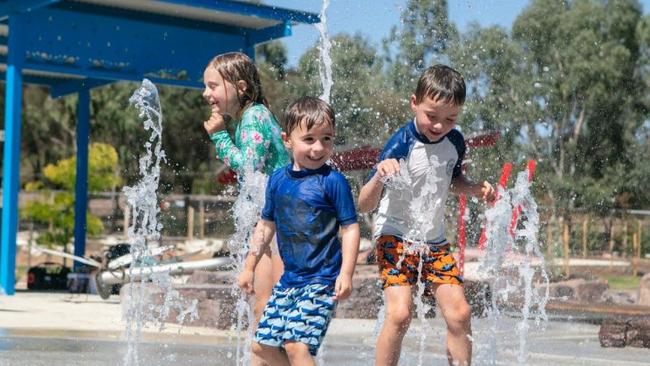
{"points": [[308, 207], [407, 144]]}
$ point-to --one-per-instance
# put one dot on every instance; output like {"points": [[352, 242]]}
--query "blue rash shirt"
{"points": [[308, 207]]}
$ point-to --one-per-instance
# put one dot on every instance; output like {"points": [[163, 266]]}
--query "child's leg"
{"points": [[263, 286], [397, 283], [268, 355], [457, 314], [298, 354], [399, 304]]}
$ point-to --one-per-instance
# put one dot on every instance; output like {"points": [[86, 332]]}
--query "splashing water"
{"points": [[423, 205], [325, 66], [534, 304], [246, 211], [145, 229], [525, 263]]}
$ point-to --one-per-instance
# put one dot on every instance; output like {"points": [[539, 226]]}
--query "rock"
{"points": [[612, 332], [479, 297], [620, 297], [644, 290], [638, 332], [578, 290], [592, 291], [216, 305], [620, 331], [211, 277], [367, 295]]}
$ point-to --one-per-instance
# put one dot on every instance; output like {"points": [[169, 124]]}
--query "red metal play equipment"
{"points": [[503, 181]]}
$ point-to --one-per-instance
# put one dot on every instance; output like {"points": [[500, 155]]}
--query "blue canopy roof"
{"points": [[72, 46], [92, 42]]}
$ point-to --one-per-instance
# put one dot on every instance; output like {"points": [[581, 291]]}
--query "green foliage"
{"points": [[585, 54], [57, 210], [569, 87], [421, 41], [358, 96]]}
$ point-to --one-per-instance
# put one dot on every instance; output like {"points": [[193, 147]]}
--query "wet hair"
{"points": [[310, 109], [236, 66], [440, 82]]}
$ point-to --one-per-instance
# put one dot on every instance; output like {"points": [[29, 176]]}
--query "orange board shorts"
{"points": [[439, 265]]}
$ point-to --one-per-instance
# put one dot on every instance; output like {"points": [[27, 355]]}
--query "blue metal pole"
{"points": [[81, 182], [11, 159]]}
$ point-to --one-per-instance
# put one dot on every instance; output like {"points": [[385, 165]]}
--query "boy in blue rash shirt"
{"points": [[307, 203]]}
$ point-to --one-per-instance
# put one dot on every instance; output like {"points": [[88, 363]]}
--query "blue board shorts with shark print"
{"points": [[298, 314]]}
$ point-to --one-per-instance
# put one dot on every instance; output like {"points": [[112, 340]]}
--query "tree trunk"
{"points": [[635, 258], [549, 237], [625, 249], [611, 241], [585, 233]]}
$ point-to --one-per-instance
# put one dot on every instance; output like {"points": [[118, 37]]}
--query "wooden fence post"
{"points": [[549, 237], [190, 222], [566, 248], [201, 220], [127, 219]]}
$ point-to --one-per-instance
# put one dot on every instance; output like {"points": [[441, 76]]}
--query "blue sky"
{"points": [[374, 18]]}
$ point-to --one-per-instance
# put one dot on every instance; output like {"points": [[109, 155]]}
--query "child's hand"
{"points": [[387, 168], [343, 287], [487, 192], [214, 124], [245, 281]]}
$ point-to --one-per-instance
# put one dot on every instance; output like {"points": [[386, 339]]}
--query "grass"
{"points": [[623, 282]]}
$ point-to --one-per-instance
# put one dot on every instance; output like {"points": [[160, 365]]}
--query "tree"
{"points": [[58, 209], [189, 156], [48, 132], [422, 40], [358, 97], [584, 53]]}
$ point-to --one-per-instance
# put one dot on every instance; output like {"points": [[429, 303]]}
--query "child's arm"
{"points": [[253, 140], [463, 185], [214, 124], [350, 237], [370, 193], [262, 236]]}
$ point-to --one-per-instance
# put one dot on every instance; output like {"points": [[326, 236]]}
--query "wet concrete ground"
{"points": [[349, 342]]}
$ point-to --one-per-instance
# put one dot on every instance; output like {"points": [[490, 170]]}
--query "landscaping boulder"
{"points": [[578, 289], [203, 305], [367, 296], [612, 332], [621, 331], [644, 291], [211, 277]]}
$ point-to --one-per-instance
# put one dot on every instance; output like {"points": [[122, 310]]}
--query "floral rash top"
{"points": [[257, 142]]}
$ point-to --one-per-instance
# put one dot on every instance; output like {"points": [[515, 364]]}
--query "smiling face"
{"points": [[220, 94], [310, 148], [434, 118]]}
